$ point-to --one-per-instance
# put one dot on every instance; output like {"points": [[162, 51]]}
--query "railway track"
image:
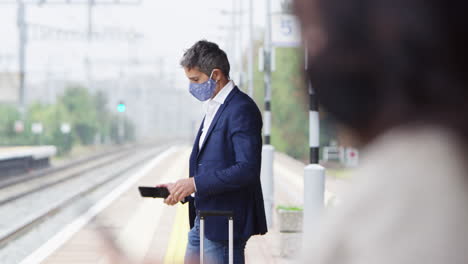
{"points": [[116, 165], [8, 181], [35, 183]]}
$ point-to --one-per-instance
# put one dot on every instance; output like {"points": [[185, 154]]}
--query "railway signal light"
{"points": [[121, 107]]}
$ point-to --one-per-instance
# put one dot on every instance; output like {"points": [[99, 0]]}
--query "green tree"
{"points": [[82, 108], [87, 114], [290, 114], [8, 115], [51, 117]]}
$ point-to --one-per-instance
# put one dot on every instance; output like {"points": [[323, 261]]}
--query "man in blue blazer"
{"points": [[225, 160]]}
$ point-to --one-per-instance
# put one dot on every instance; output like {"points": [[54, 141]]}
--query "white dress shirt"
{"points": [[211, 108]]}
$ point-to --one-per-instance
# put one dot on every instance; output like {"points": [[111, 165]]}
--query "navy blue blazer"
{"points": [[227, 169]]}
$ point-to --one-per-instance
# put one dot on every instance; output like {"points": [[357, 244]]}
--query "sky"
{"points": [[169, 27]]}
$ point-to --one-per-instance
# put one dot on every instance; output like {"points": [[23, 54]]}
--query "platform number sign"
{"points": [[285, 31], [286, 26]]}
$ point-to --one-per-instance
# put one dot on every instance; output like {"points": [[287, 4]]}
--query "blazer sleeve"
{"points": [[245, 133]]}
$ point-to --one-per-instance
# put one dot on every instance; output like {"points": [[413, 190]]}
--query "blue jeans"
{"points": [[216, 252]]}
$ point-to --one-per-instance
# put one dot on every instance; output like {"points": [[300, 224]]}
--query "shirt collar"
{"points": [[223, 93], [220, 97]]}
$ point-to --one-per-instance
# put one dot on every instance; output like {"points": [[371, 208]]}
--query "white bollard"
{"points": [[314, 192], [266, 177]]}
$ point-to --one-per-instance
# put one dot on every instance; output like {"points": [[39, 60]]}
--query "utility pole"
{"points": [[233, 42], [89, 77], [22, 29], [239, 45], [250, 57], [268, 150]]}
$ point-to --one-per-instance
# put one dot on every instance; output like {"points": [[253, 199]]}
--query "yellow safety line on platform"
{"points": [[178, 240]]}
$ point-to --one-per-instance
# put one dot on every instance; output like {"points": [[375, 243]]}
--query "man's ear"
{"points": [[217, 73]]}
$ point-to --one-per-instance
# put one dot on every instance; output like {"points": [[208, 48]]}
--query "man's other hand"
{"points": [[179, 190]]}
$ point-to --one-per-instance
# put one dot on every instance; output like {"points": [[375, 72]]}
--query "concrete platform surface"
{"points": [[136, 230]]}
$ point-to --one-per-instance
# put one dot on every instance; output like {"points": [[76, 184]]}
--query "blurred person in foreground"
{"points": [[395, 74], [225, 160]]}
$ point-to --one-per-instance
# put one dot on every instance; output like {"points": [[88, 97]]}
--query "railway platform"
{"points": [[124, 228], [22, 159]]}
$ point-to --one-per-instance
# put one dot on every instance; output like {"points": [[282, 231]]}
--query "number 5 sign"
{"points": [[285, 31]]}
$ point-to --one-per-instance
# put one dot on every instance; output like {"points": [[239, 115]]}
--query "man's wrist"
{"points": [[194, 184]]}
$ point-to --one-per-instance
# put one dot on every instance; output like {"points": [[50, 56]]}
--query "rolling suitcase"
{"points": [[230, 216]]}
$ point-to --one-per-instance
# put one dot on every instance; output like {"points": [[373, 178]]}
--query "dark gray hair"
{"points": [[206, 56]]}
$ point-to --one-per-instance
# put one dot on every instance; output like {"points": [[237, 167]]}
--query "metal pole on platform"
{"points": [[268, 150], [314, 174]]}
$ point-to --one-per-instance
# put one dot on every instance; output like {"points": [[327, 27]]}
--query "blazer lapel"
{"points": [[216, 117]]}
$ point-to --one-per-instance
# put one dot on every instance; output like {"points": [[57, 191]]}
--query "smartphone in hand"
{"points": [[154, 192]]}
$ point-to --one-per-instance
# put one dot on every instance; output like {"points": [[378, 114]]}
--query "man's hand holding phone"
{"points": [[179, 190]]}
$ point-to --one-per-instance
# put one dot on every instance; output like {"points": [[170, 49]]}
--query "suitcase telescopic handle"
{"points": [[204, 214], [230, 216]]}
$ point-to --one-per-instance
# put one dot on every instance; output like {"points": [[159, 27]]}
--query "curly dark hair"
{"points": [[206, 56], [376, 64]]}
